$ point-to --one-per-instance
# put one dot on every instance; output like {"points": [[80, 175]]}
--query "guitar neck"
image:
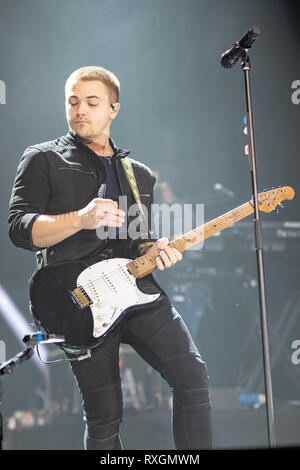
{"points": [[145, 264]]}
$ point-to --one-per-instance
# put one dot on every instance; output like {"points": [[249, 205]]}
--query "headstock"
{"points": [[269, 200]]}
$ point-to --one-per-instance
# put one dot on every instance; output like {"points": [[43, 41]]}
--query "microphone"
{"points": [[230, 57], [8, 366], [39, 337], [220, 187]]}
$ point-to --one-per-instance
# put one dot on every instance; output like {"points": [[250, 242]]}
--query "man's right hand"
{"points": [[100, 212], [47, 230]]}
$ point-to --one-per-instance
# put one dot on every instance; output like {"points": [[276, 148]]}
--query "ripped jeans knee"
{"points": [[192, 419], [99, 436]]}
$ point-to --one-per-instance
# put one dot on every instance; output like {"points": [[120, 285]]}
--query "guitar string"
{"points": [[243, 212], [221, 225]]}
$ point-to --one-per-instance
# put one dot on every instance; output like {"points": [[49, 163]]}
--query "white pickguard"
{"points": [[112, 290]]}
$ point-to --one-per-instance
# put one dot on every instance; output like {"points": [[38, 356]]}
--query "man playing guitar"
{"points": [[66, 191]]}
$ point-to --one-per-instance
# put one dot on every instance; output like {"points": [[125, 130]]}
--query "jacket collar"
{"points": [[76, 140]]}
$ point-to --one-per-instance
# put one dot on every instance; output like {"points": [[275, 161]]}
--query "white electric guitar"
{"points": [[84, 304]]}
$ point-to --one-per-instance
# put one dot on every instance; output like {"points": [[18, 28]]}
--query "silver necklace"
{"points": [[109, 158]]}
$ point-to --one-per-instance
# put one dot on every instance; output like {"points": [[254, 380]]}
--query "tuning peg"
{"points": [[281, 205]]}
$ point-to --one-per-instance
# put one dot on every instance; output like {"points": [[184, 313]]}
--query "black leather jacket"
{"points": [[64, 175]]}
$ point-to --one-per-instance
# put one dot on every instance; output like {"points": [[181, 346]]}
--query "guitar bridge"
{"points": [[80, 297]]}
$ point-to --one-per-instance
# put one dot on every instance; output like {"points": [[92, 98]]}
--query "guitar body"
{"points": [[111, 292]]}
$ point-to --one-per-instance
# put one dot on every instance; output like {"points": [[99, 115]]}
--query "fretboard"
{"points": [[145, 264]]}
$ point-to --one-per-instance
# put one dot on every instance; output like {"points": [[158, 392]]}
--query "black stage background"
{"points": [[182, 114]]}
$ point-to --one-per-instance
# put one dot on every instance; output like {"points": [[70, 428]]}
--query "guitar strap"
{"points": [[132, 181], [126, 163], [40, 258]]}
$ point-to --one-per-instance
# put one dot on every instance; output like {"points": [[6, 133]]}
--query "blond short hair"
{"points": [[94, 72]]}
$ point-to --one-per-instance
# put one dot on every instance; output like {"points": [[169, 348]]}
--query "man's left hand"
{"points": [[167, 256]]}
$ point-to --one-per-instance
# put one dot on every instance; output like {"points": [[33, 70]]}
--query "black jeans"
{"points": [[159, 335]]}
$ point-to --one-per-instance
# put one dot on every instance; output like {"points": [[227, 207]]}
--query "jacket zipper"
{"points": [[83, 171]]}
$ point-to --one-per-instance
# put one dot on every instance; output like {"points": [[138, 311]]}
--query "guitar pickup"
{"points": [[80, 297]]}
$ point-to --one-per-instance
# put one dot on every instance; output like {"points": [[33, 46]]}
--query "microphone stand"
{"points": [[259, 252], [8, 366]]}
